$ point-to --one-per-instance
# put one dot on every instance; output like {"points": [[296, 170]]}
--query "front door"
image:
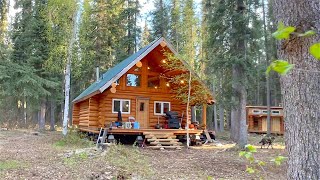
{"points": [[143, 112]]}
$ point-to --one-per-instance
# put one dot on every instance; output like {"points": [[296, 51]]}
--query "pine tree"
{"points": [[175, 24], [145, 37], [3, 19], [160, 19]]}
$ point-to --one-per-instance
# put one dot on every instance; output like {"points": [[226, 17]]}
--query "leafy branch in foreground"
{"points": [[283, 32], [257, 166]]}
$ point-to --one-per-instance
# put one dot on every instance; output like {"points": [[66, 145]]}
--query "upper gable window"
{"points": [[153, 81], [133, 80]]}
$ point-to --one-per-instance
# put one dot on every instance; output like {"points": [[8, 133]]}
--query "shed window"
{"points": [[160, 108], [133, 80], [122, 105], [275, 112], [256, 111]]}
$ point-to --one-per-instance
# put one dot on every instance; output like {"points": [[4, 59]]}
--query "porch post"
{"points": [[204, 115]]}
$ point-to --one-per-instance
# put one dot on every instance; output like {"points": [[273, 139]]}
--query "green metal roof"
{"points": [[111, 73]]}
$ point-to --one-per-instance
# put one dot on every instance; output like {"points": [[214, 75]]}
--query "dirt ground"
{"points": [[24, 155]]}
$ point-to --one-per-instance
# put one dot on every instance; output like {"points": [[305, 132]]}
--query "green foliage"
{"points": [[250, 170], [279, 160], [11, 164], [180, 83], [283, 32], [257, 166], [280, 66], [307, 34], [315, 50], [73, 139], [75, 158], [251, 148], [129, 159]]}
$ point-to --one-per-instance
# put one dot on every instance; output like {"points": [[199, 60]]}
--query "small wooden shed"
{"points": [[137, 87], [257, 119]]}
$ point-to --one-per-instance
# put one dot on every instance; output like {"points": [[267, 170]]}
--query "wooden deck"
{"points": [[141, 131]]}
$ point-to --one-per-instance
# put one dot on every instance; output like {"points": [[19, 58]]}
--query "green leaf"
{"points": [[251, 148], [261, 163], [283, 32], [242, 153], [280, 66], [279, 159], [248, 155], [250, 170], [315, 50], [307, 34]]}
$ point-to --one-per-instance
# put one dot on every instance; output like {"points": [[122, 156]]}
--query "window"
{"points": [[264, 112], [142, 106], [117, 82], [275, 112], [160, 108], [256, 111], [153, 81], [122, 105], [133, 80]]}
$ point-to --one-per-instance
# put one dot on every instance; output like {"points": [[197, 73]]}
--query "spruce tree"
{"points": [[160, 19]]}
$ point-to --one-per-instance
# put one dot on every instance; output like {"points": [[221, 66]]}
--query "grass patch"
{"points": [[11, 164], [129, 160], [74, 139], [75, 158]]}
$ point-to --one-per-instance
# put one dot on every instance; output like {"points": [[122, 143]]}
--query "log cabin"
{"points": [[138, 87], [257, 119]]}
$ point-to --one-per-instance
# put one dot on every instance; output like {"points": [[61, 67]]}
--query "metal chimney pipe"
{"points": [[97, 73]]}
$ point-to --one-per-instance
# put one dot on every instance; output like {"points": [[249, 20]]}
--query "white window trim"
{"points": [[275, 112], [161, 102], [121, 100], [256, 111]]}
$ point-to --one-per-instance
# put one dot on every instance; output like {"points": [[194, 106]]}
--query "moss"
{"points": [[11, 164]]}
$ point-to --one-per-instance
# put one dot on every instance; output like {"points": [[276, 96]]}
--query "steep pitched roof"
{"points": [[117, 71]]}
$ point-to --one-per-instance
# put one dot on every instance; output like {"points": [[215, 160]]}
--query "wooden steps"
{"points": [[162, 140]]}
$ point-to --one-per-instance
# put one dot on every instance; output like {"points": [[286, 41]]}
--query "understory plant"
{"points": [[256, 166]]}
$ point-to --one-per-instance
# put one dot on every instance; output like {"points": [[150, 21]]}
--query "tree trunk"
{"points": [[68, 77], [216, 128], [52, 111], [240, 77], [300, 88], [221, 116], [228, 119], [42, 120], [268, 77]]}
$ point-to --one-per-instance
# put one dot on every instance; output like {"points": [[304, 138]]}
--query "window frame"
{"points": [[137, 74], [161, 107], [121, 102]]}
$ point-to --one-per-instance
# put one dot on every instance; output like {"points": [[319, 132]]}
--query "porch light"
{"points": [[182, 81], [148, 67], [168, 85], [156, 87], [164, 61]]}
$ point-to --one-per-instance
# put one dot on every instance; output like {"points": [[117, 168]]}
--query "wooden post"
{"points": [[204, 115]]}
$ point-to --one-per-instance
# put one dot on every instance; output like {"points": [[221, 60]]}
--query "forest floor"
{"points": [[28, 155]]}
